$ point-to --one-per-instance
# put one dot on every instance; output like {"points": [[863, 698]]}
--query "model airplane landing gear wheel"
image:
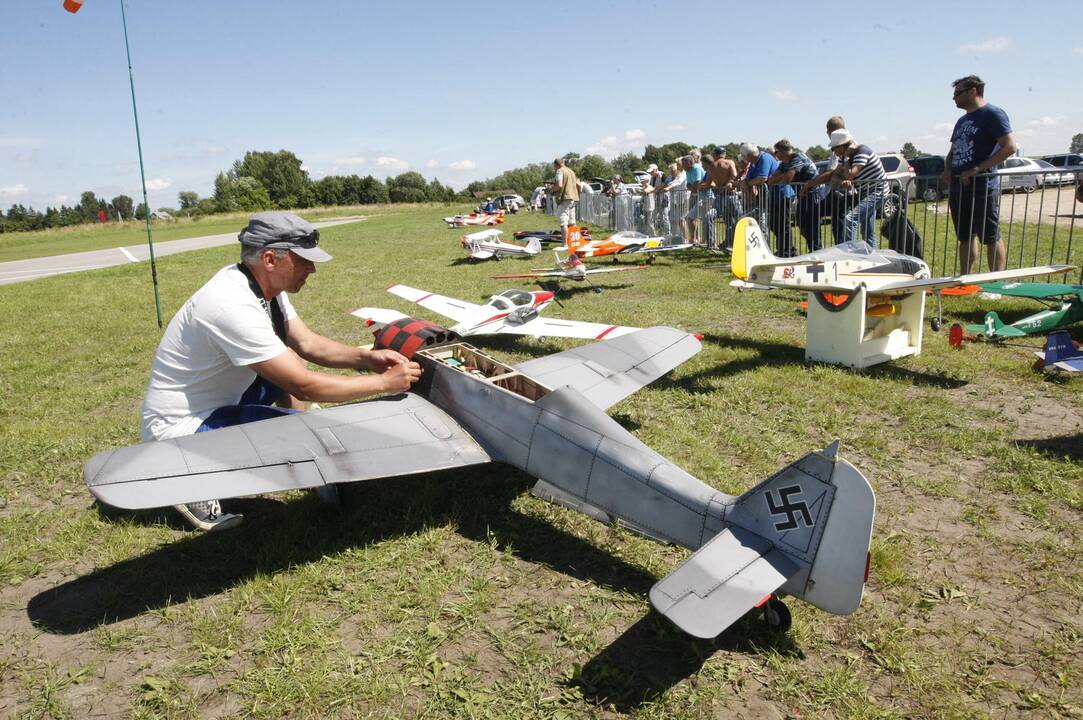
{"points": [[938, 322], [777, 615]]}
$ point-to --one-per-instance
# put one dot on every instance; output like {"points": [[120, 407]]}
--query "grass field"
{"points": [[458, 594]]}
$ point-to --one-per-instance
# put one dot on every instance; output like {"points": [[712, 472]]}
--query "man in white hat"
{"points": [[237, 347], [861, 172]]}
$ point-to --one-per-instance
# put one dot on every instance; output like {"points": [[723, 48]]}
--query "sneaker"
{"points": [[208, 515], [990, 296]]}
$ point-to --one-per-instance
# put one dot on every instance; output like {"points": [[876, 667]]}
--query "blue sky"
{"points": [[462, 91]]}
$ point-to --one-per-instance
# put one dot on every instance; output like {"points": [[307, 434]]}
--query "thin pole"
{"points": [[142, 173]]}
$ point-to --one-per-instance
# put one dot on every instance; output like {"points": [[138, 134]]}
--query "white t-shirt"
{"points": [[201, 362]]}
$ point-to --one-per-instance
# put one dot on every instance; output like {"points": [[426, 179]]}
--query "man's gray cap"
{"points": [[278, 229]]}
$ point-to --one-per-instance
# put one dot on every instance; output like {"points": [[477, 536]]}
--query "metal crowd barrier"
{"points": [[1037, 217]]}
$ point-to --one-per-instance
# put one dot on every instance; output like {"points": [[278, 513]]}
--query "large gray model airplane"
{"points": [[805, 530]]}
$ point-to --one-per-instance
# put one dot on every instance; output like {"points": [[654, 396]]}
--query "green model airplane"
{"points": [[1064, 306]]}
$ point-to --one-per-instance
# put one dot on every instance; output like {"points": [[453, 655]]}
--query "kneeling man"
{"points": [[238, 347]]}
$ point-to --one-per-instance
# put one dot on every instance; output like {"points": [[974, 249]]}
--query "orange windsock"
{"points": [[73, 6]]}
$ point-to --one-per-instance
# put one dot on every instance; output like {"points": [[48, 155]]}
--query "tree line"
{"points": [[265, 180]]}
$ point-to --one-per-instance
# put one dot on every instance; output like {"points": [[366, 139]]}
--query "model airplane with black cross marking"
{"points": [[879, 316], [512, 312], [804, 531]]}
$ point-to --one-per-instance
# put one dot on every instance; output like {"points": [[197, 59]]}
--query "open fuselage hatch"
{"points": [[468, 360]]}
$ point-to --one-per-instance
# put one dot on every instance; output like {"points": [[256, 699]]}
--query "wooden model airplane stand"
{"points": [[859, 336]]}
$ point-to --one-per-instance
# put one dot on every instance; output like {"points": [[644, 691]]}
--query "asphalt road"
{"points": [[23, 270]]}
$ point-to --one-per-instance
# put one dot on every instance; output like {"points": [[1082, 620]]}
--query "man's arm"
{"points": [[288, 371], [329, 353], [1007, 149], [781, 177], [945, 177], [816, 181]]}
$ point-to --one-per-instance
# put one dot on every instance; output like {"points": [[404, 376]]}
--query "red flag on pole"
{"points": [[73, 6]]}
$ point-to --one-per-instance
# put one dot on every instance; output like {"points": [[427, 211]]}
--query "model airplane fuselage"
{"points": [[621, 243], [882, 315], [1064, 307], [487, 245], [570, 268], [805, 529], [496, 218], [512, 312]]}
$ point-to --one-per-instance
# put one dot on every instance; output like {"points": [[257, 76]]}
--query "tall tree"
{"points": [[124, 205], [593, 166], [910, 152], [627, 163], [188, 200], [816, 153], [279, 173], [1077, 143], [663, 155]]}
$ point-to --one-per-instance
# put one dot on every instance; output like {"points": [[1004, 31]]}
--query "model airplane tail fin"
{"points": [[1060, 347], [993, 326], [806, 530], [749, 248], [575, 239]]}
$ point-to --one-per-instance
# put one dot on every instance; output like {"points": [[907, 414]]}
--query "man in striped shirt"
{"points": [[860, 171]]}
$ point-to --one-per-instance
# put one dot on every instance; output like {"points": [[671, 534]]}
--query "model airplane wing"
{"points": [[564, 273], [609, 371], [388, 437], [971, 279], [658, 249], [1037, 291], [457, 310], [383, 316], [555, 327]]}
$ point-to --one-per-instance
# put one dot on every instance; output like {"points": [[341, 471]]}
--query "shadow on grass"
{"points": [[776, 354], [653, 656], [278, 535], [1068, 447]]}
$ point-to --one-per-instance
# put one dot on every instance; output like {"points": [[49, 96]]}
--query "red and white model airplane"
{"points": [[512, 312], [496, 218], [486, 245]]}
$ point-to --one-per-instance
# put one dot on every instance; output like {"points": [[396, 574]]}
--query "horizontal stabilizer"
{"points": [[381, 316], [721, 582]]}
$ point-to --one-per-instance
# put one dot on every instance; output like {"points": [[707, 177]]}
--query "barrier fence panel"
{"points": [[1034, 214]]}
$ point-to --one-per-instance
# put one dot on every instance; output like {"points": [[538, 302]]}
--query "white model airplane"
{"points": [[881, 316], [804, 531], [571, 268], [496, 218], [512, 312], [487, 244]]}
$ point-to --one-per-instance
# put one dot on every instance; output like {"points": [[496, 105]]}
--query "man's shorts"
{"points": [[975, 210], [693, 208], [566, 212], [255, 404]]}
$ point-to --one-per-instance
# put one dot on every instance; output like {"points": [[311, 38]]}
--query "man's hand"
{"points": [[380, 360], [965, 175], [399, 377]]}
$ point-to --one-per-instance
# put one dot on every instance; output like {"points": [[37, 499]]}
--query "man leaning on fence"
{"points": [[861, 173], [566, 192], [796, 167], [722, 174], [761, 165], [652, 184], [981, 140]]}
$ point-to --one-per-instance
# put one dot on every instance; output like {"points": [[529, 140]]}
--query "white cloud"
{"points": [[992, 45], [611, 146], [306, 168], [28, 156], [463, 165], [12, 191], [1078, 50], [391, 163], [784, 95], [352, 160], [432, 164], [944, 126], [60, 199], [677, 127], [1027, 132], [159, 183], [17, 141], [1046, 120], [213, 149]]}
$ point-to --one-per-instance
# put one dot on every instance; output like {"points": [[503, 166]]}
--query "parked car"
{"points": [[900, 180], [511, 200], [1071, 161], [1053, 176], [928, 170], [1019, 173]]}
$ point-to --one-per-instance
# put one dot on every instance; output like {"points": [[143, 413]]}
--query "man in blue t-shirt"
{"points": [[981, 140], [694, 174], [794, 167], [761, 166]]}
